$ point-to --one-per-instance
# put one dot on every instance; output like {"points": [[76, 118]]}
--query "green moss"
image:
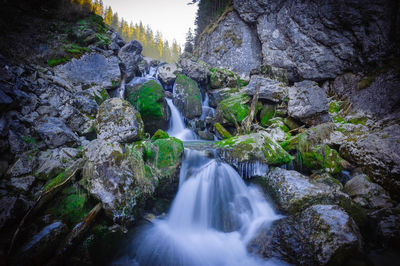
{"points": [[322, 157], [148, 100], [242, 82], [235, 105], [55, 181], [191, 90], [358, 120], [160, 134], [166, 155], [267, 112], [102, 97], [277, 122], [335, 106], [274, 154], [222, 131], [219, 48], [56, 61]]}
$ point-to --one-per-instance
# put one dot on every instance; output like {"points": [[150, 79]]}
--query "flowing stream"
{"points": [[213, 215]]}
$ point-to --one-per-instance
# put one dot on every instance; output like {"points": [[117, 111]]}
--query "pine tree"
{"points": [[108, 16], [159, 44], [189, 42]]}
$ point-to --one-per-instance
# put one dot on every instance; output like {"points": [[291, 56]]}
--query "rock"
{"points": [[77, 121], [24, 165], [385, 227], [270, 72], [216, 96], [198, 71], [85, 105], [118, 180], [187, 97], [267, 112], [130, 56], [233, 109], [150, 101], [269, 89], [160, 134], [223, 78], [12, 209], [252, 147], [22, 183], [367, 194], [335, 42], [166, 73], [277, 130], [42, 245], [377, 153], [55, 133], [118, 121], [91, 69], [320, 235], [221, 131], [308, 103], [232, 44], [52, 162]]}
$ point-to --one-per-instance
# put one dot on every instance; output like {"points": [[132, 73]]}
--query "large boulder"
{"points": [[130, 56], [319, 40], [187, 97], [150, 101], [91, 69], [269, 89], [320, 235], [223, 78], [118, 121], [233, 109], [116, 179], [308, 103], [196, 70], [232, 44], [257, 147], [377, 153], [166, 73]]}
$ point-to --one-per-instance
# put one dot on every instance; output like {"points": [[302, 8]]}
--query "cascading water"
{"points": [[213, 216], [206, 109], [177, 126]]}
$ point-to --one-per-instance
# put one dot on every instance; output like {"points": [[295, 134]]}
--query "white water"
{"points": [[177, 126], [206, 109]]}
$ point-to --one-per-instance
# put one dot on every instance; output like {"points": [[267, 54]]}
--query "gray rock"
{"points": [[77, 121], [223, 78], [166, 73], [118, 121], [367, 194], [269, 89], [308, 103], [12, 209], [216, 96], [194, 69], [24, 165], [130, 56], [187, 97], [22, 183], [55, 133], [91, 69], [320, 235], [85, 105], [232, 44], [385, 227], [52, 162], [377, 153]]}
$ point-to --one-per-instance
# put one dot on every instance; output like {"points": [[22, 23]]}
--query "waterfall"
{"points": [[177, 126], [206, 109]]}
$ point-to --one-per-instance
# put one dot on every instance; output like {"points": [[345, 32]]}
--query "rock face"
{"points": [[118, 121], [149, 100], [308, 103], [55, 133], [130, 56], [91, 69], [53, 162], [223, 78], [320, 235], [336, 40], [231, 44], [378, 154], [187, 97]]}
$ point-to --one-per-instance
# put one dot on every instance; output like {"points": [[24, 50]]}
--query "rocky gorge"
{"points": [[300, 99]]}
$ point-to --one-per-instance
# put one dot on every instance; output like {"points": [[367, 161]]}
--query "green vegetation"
{"points": [[191, 89], [235, 108], [222, 131], [148, 100], [99, 99], [160, 134]]}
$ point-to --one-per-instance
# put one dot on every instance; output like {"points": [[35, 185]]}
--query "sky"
{"points": [[172, 18]]}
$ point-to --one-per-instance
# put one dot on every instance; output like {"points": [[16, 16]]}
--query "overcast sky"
{"points": [[171, 17]]}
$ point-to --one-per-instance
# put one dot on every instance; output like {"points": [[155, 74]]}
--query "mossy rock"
{"points": [[253, 147], [160, 134], [233, 108], [322, 157], [149, 100], [223, 133], [187, 97], [267, 113], [224, 78]]}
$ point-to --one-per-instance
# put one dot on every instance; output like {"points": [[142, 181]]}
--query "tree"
{"points": [[108, 15], [189, 42]]}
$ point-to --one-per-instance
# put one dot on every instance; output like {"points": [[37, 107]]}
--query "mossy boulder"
{"points": [[233, 109], [278, 130], [150, 101], [223, 78], [267, 112], [118, 121], [160, 134], [253, 147], [186, 97], [221, 131]]}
